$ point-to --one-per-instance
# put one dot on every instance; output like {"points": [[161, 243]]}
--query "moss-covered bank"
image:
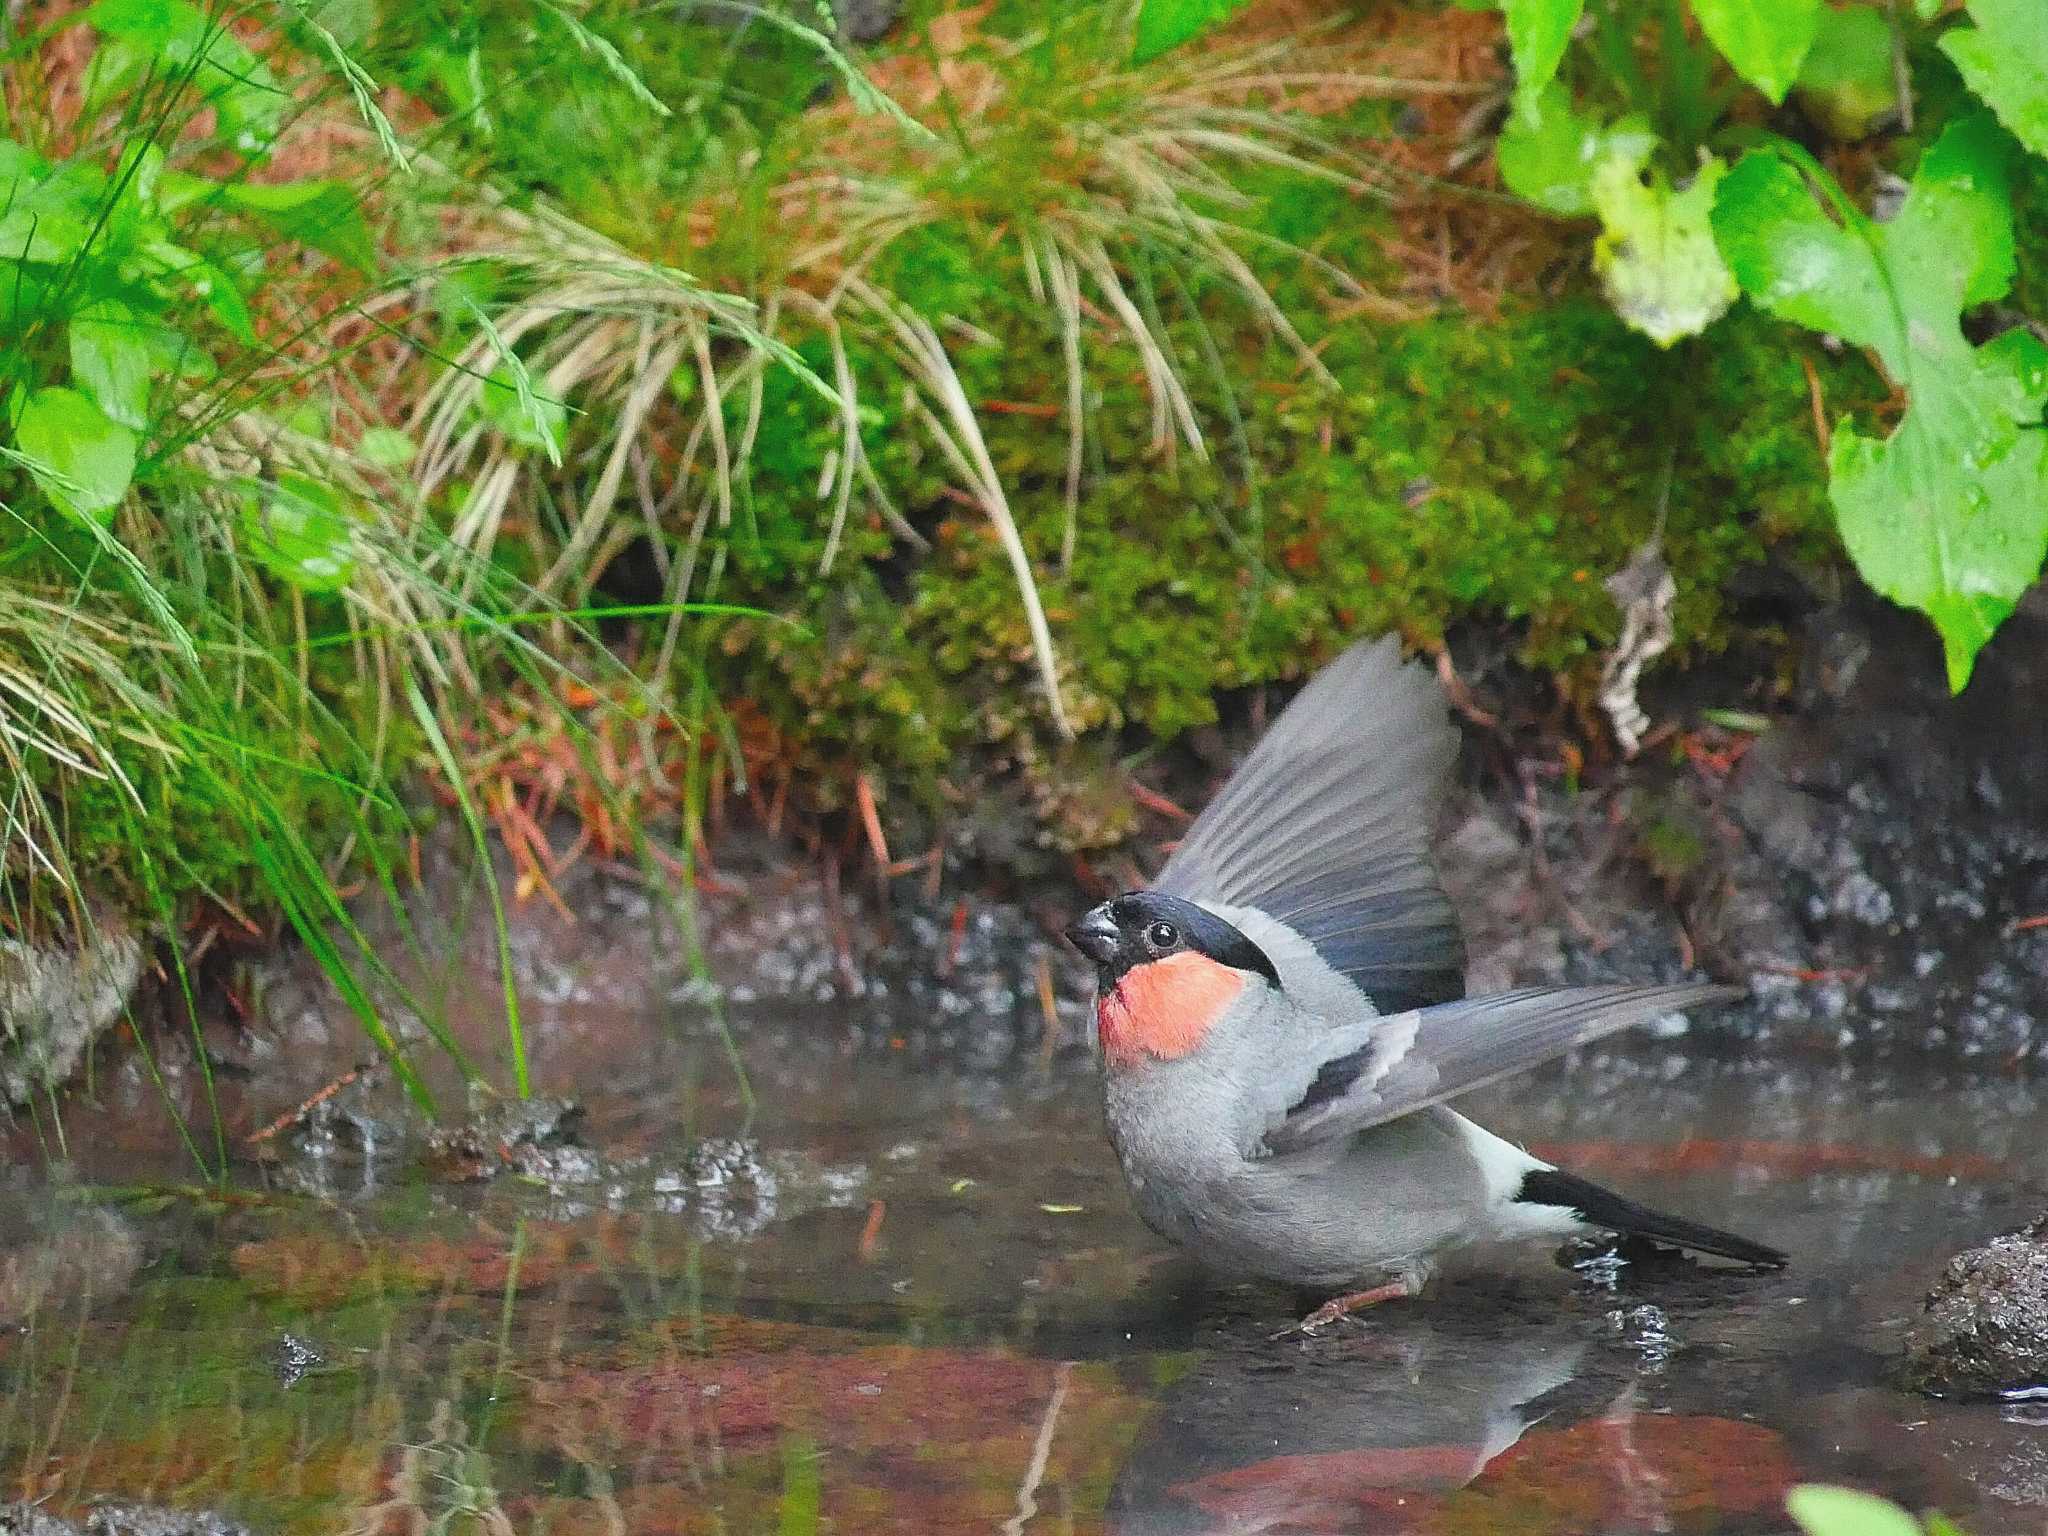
{"points": [[1457, 430], [1458, 469], [1451, 463]]}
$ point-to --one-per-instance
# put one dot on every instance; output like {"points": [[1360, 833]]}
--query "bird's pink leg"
{"points": [[1343, 1306]]}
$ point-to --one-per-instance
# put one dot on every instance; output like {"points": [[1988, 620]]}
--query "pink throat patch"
{"points": [[1164, 1009]]}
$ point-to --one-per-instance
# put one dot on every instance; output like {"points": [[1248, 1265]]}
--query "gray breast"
{"points": [[1327, 1217]]}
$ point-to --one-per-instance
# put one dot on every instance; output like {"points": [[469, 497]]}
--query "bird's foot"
{"points": [[1338, 1308]]}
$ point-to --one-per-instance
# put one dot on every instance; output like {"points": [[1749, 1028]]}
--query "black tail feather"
{"points": [[1604, 1208]]}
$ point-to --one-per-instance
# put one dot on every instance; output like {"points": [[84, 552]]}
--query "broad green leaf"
{"points": [[51, 214], [387, 447], [1549, 153], [2004, 59], [1765, 40], [1848, 80], [1166, 24], [1656, 252], [1898, 288], [1825, 1511], [177, 355], [1949, 514], [1537, 33], [113, 361], [179, 190], [223, 295], [118, 64], [28, 233], [1546, 154], [190, 273], [83, 461], [514, 407], [301, 531], [141, 172], [460, 77], [1938, 470], [325, 215], [47, 212], [177, 37]]}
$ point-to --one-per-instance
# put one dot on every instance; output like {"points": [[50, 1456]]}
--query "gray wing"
{"points": [[1326, 828], [1427, 1055]]}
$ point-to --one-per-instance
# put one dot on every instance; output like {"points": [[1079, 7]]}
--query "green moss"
{"points": [[197, 818], [1671, 837], [1457, 470]]}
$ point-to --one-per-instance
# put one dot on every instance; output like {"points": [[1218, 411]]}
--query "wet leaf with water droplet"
{"points": [[2004, 59], [1549, 153], [1949, 514]]}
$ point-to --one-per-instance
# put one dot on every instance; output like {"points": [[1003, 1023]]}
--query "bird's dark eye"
{"points": [[1162, 936]]}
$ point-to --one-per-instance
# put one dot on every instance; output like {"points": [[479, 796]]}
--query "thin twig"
{"points": [[1041, 1453], [306, 1106]]}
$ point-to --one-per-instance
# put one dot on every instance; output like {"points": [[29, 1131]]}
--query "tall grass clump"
{"points": [[912, 246], [233, 625]]}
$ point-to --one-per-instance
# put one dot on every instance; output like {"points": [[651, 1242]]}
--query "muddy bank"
{"points": [[1872, 867]]}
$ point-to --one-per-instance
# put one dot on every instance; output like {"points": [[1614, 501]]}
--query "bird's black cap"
{"points": [[1141, 926]]}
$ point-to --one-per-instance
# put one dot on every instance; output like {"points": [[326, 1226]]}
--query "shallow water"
{"points": [[915, 1300]]}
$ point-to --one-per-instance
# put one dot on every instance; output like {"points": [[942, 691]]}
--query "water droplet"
{"points": [[1983, 453]]}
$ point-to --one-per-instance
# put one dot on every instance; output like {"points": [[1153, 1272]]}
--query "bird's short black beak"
{"points": [[1095, 935]]}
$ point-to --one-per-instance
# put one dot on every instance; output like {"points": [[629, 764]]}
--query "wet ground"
{"points": [[906, 1293]]}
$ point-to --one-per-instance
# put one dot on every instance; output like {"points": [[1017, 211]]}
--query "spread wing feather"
{"points": [[1326, 827], [1428, 1055]]}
